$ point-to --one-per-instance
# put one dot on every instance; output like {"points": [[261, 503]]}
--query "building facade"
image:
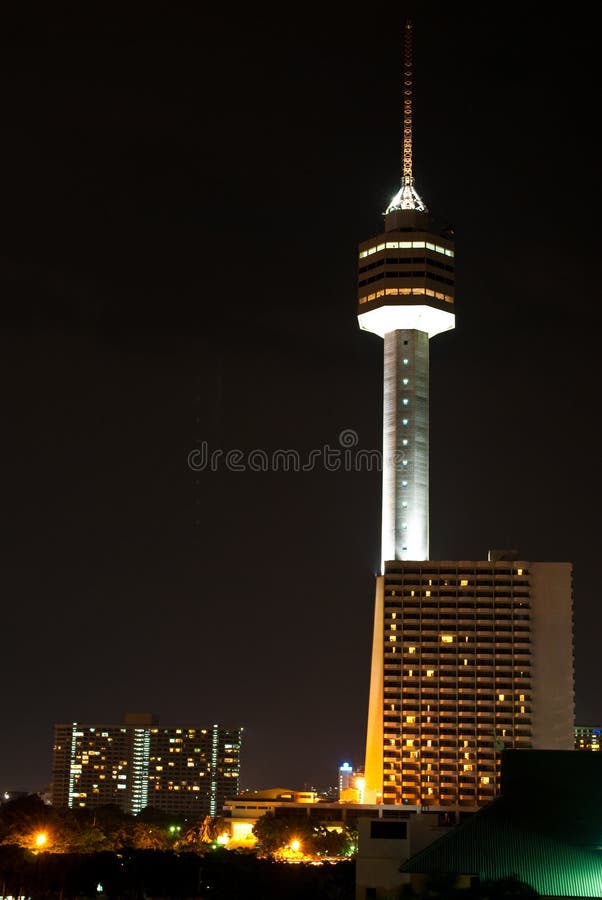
{"points": [[587, 737], [468, 657], [188, 770]]}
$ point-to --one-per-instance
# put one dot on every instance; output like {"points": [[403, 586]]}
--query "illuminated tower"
{"points": [[470, 656], [406, 296]]}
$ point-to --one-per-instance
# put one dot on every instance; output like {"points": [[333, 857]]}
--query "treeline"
{"points": [[51, 854], [136, 874], [29, 823]]}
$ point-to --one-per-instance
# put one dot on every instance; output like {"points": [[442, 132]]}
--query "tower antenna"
{"points": [[407, 197]]}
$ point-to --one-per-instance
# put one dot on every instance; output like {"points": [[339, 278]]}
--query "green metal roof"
{"points": [[554, 847], [545, 829]]}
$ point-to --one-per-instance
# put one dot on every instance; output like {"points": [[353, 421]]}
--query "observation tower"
{"points": [[406, 296]]}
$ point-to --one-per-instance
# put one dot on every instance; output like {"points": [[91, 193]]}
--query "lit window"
{"points": [[485, 779], [521, 697], [394, 615], [464, 582], [411, 649], [405, 380], [519, 571], [404, 484], [500, 697], [467, 767], [405, 442], [429, 743], [404, 505], [430, 673], [392, 638], [447, 639], [465, 662], [410, 719], [522, 709], [393, 627], [409, 742], [405, 401], [406, 362], [427, 593], [405, 421]]}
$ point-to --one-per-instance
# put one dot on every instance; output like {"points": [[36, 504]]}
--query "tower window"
{"points": [[405, 401], [406, 362], [405, 421]]}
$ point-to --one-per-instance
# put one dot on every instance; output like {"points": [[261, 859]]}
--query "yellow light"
{"points": [[41, 838], [223, 839], [446, 638], [295, 845]]}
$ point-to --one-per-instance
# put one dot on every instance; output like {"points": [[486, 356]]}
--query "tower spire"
{"points": [[407, 197]]}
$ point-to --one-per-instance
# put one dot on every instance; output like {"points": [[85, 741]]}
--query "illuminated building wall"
{"points": [[587, 738], [188, 770], [469, 658]]}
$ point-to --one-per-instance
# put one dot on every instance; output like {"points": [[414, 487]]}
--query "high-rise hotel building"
{"points": [[186, 770], [469, 657]]}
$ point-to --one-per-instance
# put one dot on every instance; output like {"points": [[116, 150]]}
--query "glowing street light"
{"points": [[41, 839], [295, 845]]}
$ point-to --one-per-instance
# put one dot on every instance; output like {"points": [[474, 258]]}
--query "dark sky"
{"points": [[183, 189]]}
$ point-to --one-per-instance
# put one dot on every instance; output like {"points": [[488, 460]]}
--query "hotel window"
{"points": [[447, 639], [405, 401], [405, 421], [406, 362], [405, 380]]}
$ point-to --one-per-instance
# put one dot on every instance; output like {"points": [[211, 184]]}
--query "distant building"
{"points": [[587, 738], [186, 770], [345, 773]]}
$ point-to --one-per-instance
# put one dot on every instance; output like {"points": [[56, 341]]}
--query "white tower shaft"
{"points": [[405, 509]]}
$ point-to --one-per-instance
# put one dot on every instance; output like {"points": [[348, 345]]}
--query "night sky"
{"points": [[183, 189]]}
